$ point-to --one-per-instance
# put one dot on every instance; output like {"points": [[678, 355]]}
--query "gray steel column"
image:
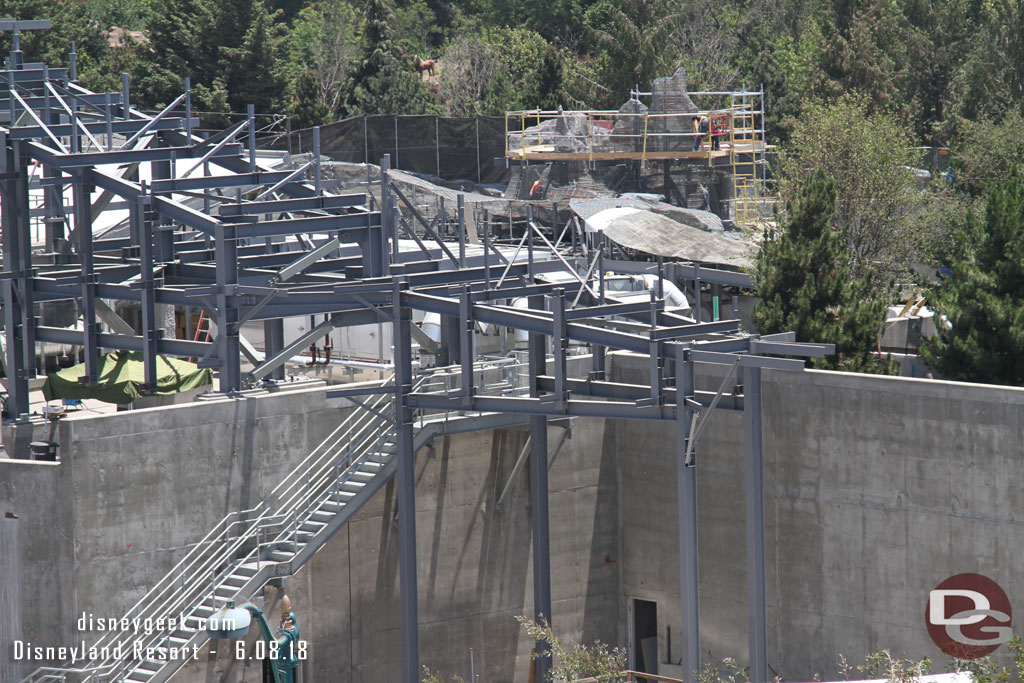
{"points": [[461, 213], [228, 345], [273, 343], [539, 496], [406, 481], [83, 231], [14, 233], [756, 606], [385, 218], [151, 331], [687, 497]]}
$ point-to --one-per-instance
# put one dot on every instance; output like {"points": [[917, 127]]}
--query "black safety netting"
{"points": [[448, 147]]}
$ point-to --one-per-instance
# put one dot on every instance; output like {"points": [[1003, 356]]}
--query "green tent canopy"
{"points": [[121, 375]]}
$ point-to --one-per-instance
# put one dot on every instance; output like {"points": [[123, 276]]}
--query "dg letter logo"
{"points": [[968, 616]]}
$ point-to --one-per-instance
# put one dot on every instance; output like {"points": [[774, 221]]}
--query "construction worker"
{"points": [[700, 126]]}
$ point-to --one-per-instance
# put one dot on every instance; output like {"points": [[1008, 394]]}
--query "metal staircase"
{"points": [[248, 548]]}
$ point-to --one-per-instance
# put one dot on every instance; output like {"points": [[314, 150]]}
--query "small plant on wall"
{"points": [[573, 661]]}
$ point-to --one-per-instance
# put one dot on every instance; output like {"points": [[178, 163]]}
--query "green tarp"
{"points": [[121, 375]]}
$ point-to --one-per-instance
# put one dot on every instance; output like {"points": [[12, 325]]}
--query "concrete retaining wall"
{"points": [[877, 489], [132, 490]]}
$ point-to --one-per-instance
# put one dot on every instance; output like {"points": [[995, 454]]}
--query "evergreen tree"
{"points": [[180, 46], [385, 82], [253, 67], [982, 297], [803, 279], [308, 108]]}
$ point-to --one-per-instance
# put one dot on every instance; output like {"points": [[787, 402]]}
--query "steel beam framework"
{"points": [[262, 244]]}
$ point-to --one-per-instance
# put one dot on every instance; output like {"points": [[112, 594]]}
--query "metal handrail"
{"points": [[236, 539], [199, 563]]}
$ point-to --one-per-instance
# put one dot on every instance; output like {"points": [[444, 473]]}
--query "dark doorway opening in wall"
{"points": [[645, 637]]}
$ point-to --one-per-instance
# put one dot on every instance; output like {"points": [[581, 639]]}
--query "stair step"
{"points": [[140, 675], [152, 664], [226, 591], [178, 640], [280, 555], [322, 516], [236, 580], [311, 525]]}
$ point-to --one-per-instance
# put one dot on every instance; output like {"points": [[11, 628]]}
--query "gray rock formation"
{"points": [[669, 95], [628, 127]]}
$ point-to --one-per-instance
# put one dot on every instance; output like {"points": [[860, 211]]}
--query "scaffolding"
{"points": [[728, 137]]}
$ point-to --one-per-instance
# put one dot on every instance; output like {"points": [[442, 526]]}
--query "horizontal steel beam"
{"points": [[170, 347], [536, 406], [93, 126], [322, 203], [55, 159]]}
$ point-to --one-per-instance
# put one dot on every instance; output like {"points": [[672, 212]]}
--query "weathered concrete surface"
{"points": [[474, 564], [132, 490], [877, 489]]}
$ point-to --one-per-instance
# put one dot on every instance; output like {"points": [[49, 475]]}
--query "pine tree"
{"points": [[803, 279], [253, 67], [179, 33], [982, 297], [385, 82], [308, 108]]}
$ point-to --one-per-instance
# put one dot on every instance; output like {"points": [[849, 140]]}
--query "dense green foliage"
{"points": [[936, 66], [982, 296], [803, 278]]}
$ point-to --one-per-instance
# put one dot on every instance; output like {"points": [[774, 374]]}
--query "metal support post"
{"points": [[756, 603], [466, 345], [598, 350], [406, 481], [150, 330], [228, 344], [529, 241], [655, 357], [251, 111], [560, 345], [126, 91], [317, 176], [451, 341], [385, 207], [696, 294], [15, 231], [163, 236], [83, 231], [687, 499], [487, 250], [539, 497], [461, 203], [188, 109], [273, 342]]}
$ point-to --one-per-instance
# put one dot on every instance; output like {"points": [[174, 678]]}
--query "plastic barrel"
{"points": [[44, 450]]}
